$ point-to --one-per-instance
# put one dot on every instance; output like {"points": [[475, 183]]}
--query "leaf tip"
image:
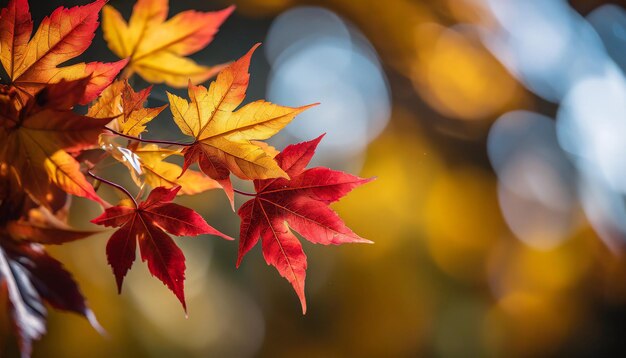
{"points": [[303, 304], [229, 10], [283, 174], [319, 139], [181, 298], [98, 4], [367, 180], [301, 109], [93, 321], [123, 62], [241, 253], [119, 281], [299, 288], [175, 190]]}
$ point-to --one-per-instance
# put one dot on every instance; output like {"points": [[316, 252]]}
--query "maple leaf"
{"points": [[121, 101], [300, 203], [37, 137], [31, 277], [223, 137], [65, 34], [157, 48], [147, 223]]}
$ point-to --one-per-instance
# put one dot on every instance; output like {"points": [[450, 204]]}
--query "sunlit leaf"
{"points": [[64, 35], [300, 203], [157, 48]]}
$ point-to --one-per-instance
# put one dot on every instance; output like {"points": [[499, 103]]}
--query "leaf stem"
{"points": [[155, 141], [117, 186], [243, 193]]}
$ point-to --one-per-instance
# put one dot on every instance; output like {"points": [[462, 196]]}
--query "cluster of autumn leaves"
{"points": [[49, 151]]}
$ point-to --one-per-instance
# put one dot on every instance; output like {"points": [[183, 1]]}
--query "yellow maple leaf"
{"points": [[157, 48], [224, 137]]}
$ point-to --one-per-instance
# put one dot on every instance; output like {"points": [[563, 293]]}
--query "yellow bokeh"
{"points": [[458, 77], [515, 267], [462, 222]]}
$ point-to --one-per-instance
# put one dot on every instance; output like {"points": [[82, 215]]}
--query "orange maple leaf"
{"points": [[121, 101], [62, 36], [37, 136]]}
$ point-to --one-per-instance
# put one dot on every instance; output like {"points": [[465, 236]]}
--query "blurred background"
{"points": [[496, 129]]}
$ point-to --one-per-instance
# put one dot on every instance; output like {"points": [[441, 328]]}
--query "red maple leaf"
{"points": [[300, 203], [147, 222]]}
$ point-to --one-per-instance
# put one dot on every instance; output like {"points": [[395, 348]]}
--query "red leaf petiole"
{"points": [[117, 186], [243, 193]]}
